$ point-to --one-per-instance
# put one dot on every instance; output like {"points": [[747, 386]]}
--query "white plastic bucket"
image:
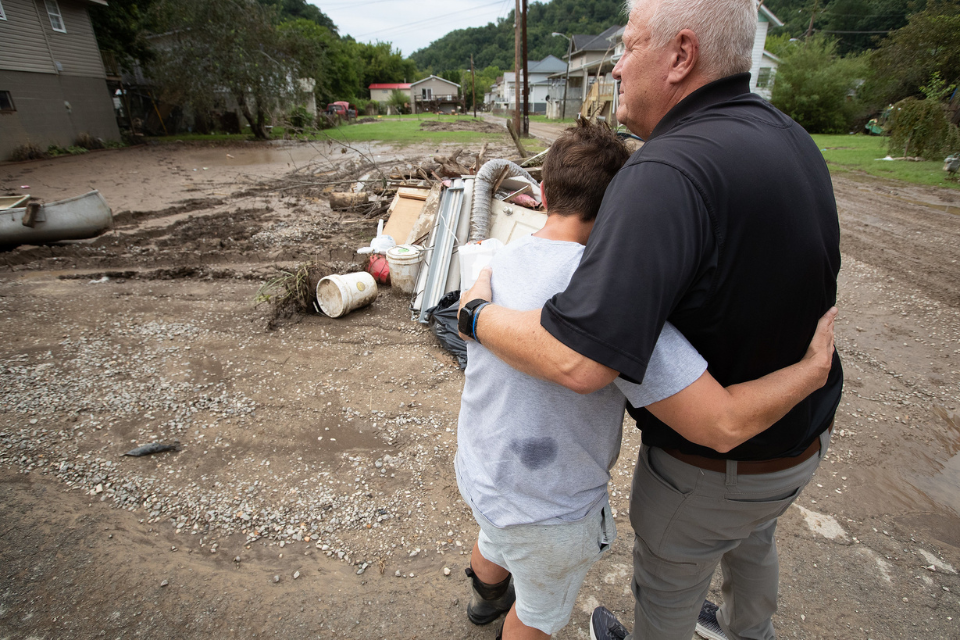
{"points": [[404, 262], [339, 295]]}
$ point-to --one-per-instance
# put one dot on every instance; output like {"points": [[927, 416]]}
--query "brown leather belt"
{"points": [[749, 467]]}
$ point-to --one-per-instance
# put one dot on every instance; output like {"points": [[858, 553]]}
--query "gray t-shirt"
{"points": [[534, 452]]}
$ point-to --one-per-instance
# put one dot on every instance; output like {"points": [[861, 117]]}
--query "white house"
{"points": [[541, 88], [764, 66], [593, 57], [435, 94]]}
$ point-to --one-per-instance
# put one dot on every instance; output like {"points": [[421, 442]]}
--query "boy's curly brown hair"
{"points": [[578, 168]]}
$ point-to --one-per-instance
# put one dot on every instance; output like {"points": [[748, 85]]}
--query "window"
{"points": [[6, 102], [56, 20], [3, 16], [427, 93], [764, 77]]}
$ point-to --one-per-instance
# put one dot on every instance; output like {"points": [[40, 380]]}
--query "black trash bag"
{"points": [[443, 321]]}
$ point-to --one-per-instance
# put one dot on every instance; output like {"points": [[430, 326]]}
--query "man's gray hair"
{"points": [[726, 30]]}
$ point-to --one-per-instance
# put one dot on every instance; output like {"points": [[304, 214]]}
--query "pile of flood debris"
{"points": [[441, 220]]}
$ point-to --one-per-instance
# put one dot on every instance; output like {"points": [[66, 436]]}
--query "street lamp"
{"points": [[566, 76]]}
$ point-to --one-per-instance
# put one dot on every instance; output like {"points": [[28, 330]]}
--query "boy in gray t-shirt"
{"points": [[534, 458]]}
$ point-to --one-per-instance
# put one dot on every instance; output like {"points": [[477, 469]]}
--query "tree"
{"points": [[321, 55], [813, 85], [121, 29], [217, 47], [484, 78], [399, 100], [301, 10], [381, 63], [492, 44], [908, 57], [922, 127], [854, 23]]}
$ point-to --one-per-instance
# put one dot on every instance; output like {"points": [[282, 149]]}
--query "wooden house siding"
{"points": [[437, 87], [23, 46], [29, 43], [76, 50]]}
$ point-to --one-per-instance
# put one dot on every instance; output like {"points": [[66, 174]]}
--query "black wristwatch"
{"points": [[467, 319]]}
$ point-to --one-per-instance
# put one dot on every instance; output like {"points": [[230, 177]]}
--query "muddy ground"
{"points": [[314, 494]]}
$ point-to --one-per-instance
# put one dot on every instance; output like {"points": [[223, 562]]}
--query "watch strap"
{"points": [[476, 316]]}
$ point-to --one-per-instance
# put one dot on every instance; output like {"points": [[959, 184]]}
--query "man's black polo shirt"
{"points": [[725, 223]]}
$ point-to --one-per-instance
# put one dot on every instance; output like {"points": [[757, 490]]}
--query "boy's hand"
{"points": [[480, 289], [820, 352]]}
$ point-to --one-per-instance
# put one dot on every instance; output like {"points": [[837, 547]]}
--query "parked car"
{"points": [[342, 109]]}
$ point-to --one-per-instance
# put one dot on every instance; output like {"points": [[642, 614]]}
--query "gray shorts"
{"points": [[548, 563]]}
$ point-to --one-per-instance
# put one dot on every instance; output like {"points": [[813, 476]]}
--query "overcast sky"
{"points": [[410, 24]]}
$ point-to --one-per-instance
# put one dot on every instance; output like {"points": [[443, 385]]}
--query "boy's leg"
{"points": [[548, 564], [513, 629], [493, 593], [485, 570]]}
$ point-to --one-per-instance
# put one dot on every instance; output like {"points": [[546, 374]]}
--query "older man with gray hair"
{"points": [[725, 223]]}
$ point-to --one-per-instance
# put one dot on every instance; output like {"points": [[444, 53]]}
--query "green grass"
{"points": [[430, 116], [861, 153], [549, 121], [405, 131], [402, 130]]}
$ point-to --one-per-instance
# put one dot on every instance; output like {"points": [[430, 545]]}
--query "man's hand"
{"points": [[723, 418], [820, 352], [480, 289]]}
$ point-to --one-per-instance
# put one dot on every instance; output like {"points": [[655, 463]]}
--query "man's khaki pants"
{"points": [[687, 520]]}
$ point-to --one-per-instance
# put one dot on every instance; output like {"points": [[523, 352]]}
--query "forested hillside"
{"points": [[492, 45], [857, 25]]}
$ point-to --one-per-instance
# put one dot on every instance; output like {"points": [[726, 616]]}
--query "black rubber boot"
{"points": [[490, 601]]}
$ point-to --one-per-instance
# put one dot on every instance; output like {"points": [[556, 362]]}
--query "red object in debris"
{"points": [[379, 269]]}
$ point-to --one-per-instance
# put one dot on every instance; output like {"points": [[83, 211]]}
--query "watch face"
{"points": [[464, 320]]}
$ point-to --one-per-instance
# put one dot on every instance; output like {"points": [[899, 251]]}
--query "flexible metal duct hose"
{"points": [[483, 195]]}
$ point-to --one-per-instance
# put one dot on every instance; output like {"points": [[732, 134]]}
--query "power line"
{"points": [[877, 32], [354, 5], [863, 15], [504, 10]]}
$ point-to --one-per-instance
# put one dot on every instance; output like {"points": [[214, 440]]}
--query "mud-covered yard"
{"points": [[314, 494]]}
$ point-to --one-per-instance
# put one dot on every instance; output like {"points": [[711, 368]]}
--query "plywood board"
{"points": [[428, 217], [413, 193], [403, 215]]}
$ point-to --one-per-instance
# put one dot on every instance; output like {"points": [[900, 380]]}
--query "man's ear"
{"points": [[543, 195], [685, 56]]}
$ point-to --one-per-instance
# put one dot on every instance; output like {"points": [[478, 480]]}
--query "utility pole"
{"points": [[517, 67], [526, 86], [813, 16], [566, 75], [473, 81]]}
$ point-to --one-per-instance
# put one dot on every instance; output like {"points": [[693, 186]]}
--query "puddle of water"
{"points": [[947, 208], [927, 480], [943, 486], [239, 157]]}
